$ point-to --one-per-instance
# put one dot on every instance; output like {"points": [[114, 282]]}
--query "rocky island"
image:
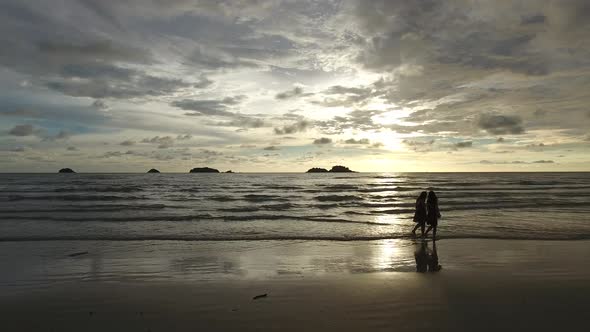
{"points": [[340, 169], [334, 169], [204, 170], [66, 170], [153, 170], [317, 170]]}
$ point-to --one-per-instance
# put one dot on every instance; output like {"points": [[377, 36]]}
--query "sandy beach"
{"points": [[309, 285]]}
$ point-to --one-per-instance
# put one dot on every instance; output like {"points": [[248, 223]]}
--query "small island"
{"points": [[341, 169], [153, 170], [66, 170], [204, 170], [334, 169], [230, 171], [317, 170]]}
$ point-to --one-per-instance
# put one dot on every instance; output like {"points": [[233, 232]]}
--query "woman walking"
{"points": [[433, 213], [420, 214]]}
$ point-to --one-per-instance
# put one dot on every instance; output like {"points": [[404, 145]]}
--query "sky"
{"points": [[286, 85]]}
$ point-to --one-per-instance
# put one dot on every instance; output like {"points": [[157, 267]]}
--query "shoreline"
{"points": [[310, 285]]}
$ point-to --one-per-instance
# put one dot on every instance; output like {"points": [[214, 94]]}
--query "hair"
{"points": [[432, 199], [422, 196]]}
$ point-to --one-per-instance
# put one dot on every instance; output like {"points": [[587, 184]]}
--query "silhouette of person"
{"points": [[432, 213], [433, 265], [420, 214], [421, 256]]}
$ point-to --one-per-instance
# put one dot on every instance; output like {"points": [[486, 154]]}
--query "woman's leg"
{"points": [[434, 232], [422, 226], [428, 230], [415, 228]]}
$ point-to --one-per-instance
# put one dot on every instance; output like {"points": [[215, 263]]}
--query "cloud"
{"points": [[501, 162], [322, 141], [298, 126], [359, 141], [501, 124], [162, 142], [184, 137], [127, 143], [464, 144], [63, 134], [271, 148], [22, 130], [212, 107], [96, 50], [296, 92], [99, 104], [356, 120], [347, 96], [242, 121], [139, 85], [21, 113]]}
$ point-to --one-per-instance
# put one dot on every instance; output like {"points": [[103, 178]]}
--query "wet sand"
{"points": [[485, 285]]}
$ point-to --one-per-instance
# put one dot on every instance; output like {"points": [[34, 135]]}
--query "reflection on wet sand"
{"points": [[426, 258]]}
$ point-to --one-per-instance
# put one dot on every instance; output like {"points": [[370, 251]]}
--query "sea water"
{"points": [[289, 206]]}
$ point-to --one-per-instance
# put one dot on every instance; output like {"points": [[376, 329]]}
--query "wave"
{"points": [[337, 198], [118, 189], [263, 198], [196, 217], [14, 198], [343, 238]]}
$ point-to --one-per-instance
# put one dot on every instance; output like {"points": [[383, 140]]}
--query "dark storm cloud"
{"points": [[322, 141], [501, 124], [216, 107], [22, 130], [298, 126]]}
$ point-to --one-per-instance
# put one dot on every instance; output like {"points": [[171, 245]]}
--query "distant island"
{"points": [[334, 169], [317, 170], [230, 171], [66, 170], [153, 170], [204, 170]]}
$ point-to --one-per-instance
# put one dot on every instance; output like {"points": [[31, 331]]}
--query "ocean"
{"points": [[289, 206]]}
